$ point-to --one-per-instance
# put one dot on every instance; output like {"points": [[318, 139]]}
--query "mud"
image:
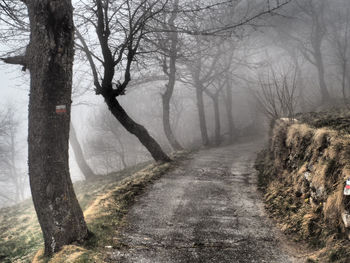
{"points": [[208, 210]]}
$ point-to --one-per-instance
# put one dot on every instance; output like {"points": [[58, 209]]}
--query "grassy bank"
{"points": [[105, 201], [302, 175]]}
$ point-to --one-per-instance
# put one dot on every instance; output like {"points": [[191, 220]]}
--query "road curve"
{"points": [[207, 210]]}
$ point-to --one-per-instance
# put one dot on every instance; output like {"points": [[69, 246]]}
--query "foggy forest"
{"points": [[174, 131]]}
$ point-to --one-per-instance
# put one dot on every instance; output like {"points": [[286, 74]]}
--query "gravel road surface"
{"points": [[207, 210]]}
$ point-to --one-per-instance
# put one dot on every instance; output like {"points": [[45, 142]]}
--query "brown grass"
{"points": [[105, 216], [105, 201], [333, 207], [310, 209]]}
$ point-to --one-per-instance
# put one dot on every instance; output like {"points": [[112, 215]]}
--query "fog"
{"points": [[255, 60]]}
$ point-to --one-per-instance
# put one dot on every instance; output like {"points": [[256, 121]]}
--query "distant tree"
{"points": [[168, 45], [10, 174], [338, 21], [49, 58], [200, 76], [109, 146], [310, 35], [214, 93], [79, 154], [229, 65]]}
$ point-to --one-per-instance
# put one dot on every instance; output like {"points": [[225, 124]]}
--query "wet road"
{"points": [[208, 210]]}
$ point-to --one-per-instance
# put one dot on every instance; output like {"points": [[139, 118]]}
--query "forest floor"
{"points": [[208, 209]]}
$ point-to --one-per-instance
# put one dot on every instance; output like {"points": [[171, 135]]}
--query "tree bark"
{"points": [[79, 155], [49, 58], [201, 115], [136, 129]]}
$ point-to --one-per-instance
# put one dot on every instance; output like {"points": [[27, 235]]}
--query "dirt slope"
{"points": [[206, 211]]}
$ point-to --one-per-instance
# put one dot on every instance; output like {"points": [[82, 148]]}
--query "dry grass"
{"points": [[69, 254], [333, 207], [105, 216], [105, 202], [306, 169]]}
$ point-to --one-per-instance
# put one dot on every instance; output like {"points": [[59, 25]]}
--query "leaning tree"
{"points": [[120, 30]]}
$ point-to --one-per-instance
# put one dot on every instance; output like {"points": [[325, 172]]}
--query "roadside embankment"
{"points": [[303, 174]]}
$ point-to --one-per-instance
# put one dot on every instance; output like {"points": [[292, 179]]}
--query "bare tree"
{"points": [[168, 43], [202, 72], [214, 92], [338, 20], [49, 58], [311, 16], [277, 94], [9, 156], [79, 154], [109, 146], [128, 20], [228, 63]]}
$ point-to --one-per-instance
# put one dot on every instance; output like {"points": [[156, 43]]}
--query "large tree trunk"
{"points": [[201, 115], [229, 106], [136, 129], [50, 58], [79, 155]]}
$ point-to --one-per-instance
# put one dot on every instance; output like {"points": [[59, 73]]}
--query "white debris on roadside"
{"points": [[347, 187], [346, 219], [307, 176]]}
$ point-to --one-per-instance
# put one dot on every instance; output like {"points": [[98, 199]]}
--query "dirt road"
{"points": [[206, 211]]}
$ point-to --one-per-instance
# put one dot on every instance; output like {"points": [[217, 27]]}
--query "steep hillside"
{"points": [[303, 174], [104, 200]]}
